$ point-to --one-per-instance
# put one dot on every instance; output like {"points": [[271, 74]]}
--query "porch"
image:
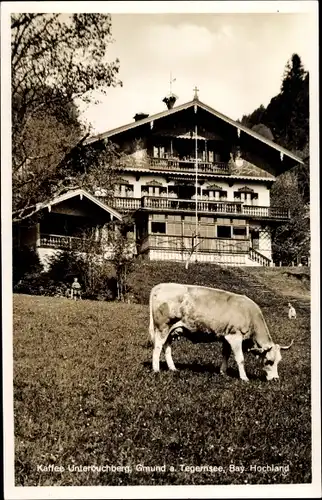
{"points": [[230, 252]]}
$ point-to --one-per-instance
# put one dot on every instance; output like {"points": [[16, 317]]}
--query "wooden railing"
{"points": [[184, 244], [181, 165], [270, 212], [152, 202], [259, 258], [126, 203], [221, 207], [67, 242]]}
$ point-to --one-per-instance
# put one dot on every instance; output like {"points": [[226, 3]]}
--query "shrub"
{"points": [[94, 274], [25, 261], [40, 284]]}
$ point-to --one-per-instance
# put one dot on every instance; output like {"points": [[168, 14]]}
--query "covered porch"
{"points": [[74, 221]]}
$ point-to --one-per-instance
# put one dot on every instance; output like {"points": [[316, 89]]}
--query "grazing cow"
{"points": [[204, 314], [291, 311]]}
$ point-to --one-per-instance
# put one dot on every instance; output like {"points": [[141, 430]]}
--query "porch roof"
{"points": [[81, 193]]}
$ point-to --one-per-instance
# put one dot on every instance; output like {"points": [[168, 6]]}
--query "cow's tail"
{"points": [[151, 327]]}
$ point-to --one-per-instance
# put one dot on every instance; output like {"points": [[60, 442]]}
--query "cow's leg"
{"points": [[159, 340], [226, 351], [236, 341], [168, 357]]}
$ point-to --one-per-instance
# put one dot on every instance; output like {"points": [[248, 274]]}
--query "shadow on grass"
{"points": [[209, 368]]}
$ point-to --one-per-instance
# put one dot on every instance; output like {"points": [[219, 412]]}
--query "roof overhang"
{"points": [[285, 159], [81, 193]]}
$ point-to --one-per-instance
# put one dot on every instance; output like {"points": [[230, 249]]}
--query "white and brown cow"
{"points": [[207, 314]]}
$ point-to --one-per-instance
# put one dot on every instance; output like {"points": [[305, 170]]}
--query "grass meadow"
{"points": [[85, 394]]}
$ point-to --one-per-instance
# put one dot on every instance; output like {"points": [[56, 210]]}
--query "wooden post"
{"points": [[37, 234]]}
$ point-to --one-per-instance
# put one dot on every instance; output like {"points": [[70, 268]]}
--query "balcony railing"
{"points": [[270, 212], [220, 207], [190, 205], [183, 244], [206, 206], [125, 204], [176, 164], [67, 242]]}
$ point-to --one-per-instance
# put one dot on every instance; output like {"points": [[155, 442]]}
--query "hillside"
{"points": [[266, 286]]}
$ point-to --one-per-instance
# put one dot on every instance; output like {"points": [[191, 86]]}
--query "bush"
{"points": [[25, 262], [40, 284], [94, 274]]}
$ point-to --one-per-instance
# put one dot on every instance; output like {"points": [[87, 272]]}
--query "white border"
{"points": [[247, 491]]}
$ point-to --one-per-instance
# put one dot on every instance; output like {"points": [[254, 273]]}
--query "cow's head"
{"points": [[271, 357]]}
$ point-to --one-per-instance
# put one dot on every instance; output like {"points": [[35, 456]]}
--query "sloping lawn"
{"points": [[85, 395]]}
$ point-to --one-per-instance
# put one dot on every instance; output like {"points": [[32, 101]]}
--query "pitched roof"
{"points": [[187, 105], [82, 193]]}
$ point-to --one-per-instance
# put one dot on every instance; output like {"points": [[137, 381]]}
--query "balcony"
{"points": [[180, 165], [67, 242], [218, 207], [161, 203]]}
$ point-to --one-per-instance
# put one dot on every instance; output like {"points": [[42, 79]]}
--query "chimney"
{"points": [[140, 116], [170, 100]]}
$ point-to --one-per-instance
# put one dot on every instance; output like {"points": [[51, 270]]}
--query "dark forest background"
{"points": [[286, 121]]}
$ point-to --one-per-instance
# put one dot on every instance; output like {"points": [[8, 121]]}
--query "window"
{"points": [[150, 190], [237, 195], [158, 227], [255, 199], [158, 152], [210, 220], [174, 218], [158, 217], [124, 190], [224, 222], [223, 232], [207, 231], [239, 232], [238, 222]]}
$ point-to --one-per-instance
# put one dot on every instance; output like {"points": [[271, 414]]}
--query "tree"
{"points": [[288, 113], [254, 118], [287, 117], [291, 240], [57, 59], [264, 131], [123, 251]]}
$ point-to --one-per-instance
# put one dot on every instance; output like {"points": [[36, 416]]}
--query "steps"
{"points": [[257, 287]]}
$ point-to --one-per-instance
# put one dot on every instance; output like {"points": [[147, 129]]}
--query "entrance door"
{"points": [[255, 239]]}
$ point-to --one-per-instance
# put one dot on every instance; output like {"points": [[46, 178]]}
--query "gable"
{"points": [[181, 121], [72, 199]]}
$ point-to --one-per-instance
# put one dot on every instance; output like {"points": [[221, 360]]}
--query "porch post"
{"points": [[38, 234]]}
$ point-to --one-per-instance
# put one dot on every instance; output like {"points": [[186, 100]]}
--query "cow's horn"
{"points": [[286, 346]]}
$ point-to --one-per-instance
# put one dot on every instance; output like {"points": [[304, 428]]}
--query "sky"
{"points": [[235, 60]]}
